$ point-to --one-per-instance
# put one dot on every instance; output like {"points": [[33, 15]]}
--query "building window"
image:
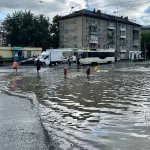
{"points": [[75, 46], [28, 54], [122, 33], [99, 46], [65, 39], [93, 21], [87, 20], [87, 37]]}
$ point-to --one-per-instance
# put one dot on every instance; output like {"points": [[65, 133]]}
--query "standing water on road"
{"points": [[110, 110]]}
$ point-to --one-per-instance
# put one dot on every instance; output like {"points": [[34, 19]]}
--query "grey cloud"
{"points": [[33, 5], [63, 7]]}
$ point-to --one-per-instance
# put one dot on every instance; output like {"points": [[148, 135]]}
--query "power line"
{"points": [[119, 3], [42, 2], [143, 17], [134, 6]]}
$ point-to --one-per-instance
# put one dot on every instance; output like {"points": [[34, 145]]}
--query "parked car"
{"points": [[28, 61]]}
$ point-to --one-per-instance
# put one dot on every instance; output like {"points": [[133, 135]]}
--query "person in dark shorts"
{"points": [[69, 61], [38, 65], [88, 71], [78, 61]]}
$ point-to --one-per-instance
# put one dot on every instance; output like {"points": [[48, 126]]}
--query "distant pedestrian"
{"points": [[78, 61], [15, 65], [69, 61], [65, 71], [88, 71], [38, 65]]}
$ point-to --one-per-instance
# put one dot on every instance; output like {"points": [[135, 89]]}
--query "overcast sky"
{"points": [[137, 10]]}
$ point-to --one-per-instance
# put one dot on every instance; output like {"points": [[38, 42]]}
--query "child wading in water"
{"points": [[65, 71]]}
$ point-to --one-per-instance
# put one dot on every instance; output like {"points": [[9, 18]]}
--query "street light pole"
{"points": [[116, 51]]}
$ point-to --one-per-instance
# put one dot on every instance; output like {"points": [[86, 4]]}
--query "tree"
{"points": [[145, 42], [27, 29], [55, 32]]}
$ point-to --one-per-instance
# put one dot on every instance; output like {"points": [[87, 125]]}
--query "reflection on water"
{"points": [[108, 111]]}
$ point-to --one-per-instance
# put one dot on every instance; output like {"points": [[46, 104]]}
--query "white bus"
{"points": [[96, 57]]}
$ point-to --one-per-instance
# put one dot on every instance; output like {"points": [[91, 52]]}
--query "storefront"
{"points": [[18, 53], [135, 54]]}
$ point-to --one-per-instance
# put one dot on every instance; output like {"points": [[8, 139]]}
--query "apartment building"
{"points": [[94, 30], [2, 36]]}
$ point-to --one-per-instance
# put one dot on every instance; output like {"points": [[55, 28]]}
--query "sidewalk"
{"points": [[20, 126]]}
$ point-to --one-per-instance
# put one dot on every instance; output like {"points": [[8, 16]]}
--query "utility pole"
{"points": [[116, 51], [82, 27]]}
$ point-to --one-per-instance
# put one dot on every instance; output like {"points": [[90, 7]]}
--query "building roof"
{"points": [[99, 15]]}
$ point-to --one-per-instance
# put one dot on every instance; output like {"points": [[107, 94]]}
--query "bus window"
{"points": [[92, 54], [109, 54], [84, 55], [102, 56]]}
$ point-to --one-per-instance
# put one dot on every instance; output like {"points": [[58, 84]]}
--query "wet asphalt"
{"points": [[20, 126]]}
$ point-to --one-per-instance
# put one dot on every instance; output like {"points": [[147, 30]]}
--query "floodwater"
{"points": [[108, 111]]}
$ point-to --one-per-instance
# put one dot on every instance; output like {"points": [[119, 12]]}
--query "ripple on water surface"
{"points": [[108, 111]]}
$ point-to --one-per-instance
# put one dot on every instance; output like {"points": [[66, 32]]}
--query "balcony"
{"points": [[110, 34], [93, 32], [93, 41], [136, 43], [136, 29], [122, 29], [123, 49], [123, 36], [111, 27]]}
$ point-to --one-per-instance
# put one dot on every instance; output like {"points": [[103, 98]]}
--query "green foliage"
{"points": [[55, 32], [27, 29], [145, 41], [146, 37]]}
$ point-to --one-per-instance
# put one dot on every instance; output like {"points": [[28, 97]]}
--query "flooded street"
{"points": [[108, 111]]}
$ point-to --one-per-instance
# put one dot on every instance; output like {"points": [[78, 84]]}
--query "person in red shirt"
{"points": [[65, 71], [15, 65]]}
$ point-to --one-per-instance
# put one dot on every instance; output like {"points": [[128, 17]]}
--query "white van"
{"points": [[50, 57]]}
